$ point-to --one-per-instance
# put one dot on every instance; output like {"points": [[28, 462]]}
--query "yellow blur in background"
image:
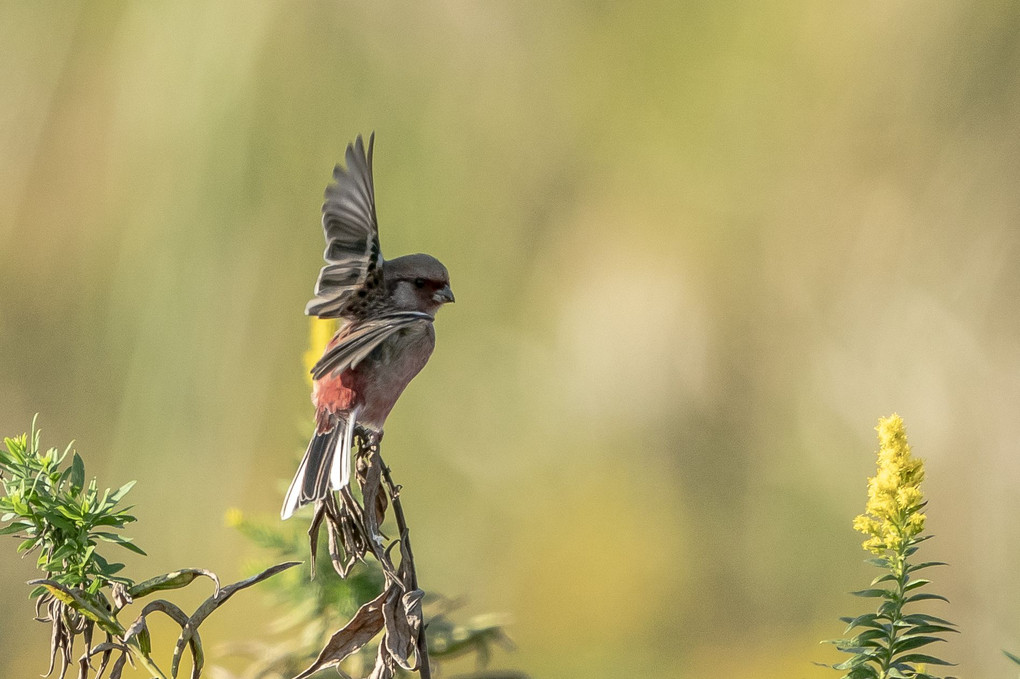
{"points": [[698, 249]]}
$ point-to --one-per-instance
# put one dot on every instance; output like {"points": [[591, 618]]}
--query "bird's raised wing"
{"points": [[351, 281], [358, 340]]}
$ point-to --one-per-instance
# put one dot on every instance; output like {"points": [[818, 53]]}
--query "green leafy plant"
{"points": [[888, 643], [58, 514], [50, 507]]}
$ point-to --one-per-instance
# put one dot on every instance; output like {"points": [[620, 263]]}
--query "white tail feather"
{"points": [[340, 473]]}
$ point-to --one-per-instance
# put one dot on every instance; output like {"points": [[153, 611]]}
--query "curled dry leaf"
{"points": [[402, 615], [365, 624], [384, 668], [121, 596]]}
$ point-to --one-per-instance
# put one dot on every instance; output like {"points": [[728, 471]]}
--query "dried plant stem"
{"points": [[424, 670]]}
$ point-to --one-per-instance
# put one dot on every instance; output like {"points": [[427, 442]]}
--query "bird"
{"points": [[386, 307]]}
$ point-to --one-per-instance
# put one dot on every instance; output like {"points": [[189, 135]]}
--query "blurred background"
{"points": [[698, 250]]}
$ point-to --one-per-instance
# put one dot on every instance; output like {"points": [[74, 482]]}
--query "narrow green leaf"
{"points": [[866, 620], [855, 661], [925, 596], [863, 672], [926, 564], [77, 473], [910, 642], [121, 492], [15, 527], [914, 584], [131, 547], [1012, 657], [883, 593], [924, 618], [922, 658]]}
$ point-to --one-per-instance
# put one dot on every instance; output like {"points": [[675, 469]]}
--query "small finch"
{"points": [[387, 307]]}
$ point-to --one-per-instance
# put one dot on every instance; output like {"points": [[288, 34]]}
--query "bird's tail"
{"points": [[326, 465]]}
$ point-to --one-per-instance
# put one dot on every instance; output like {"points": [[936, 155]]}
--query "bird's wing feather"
{"points": [[353, 271], [358, 340]]}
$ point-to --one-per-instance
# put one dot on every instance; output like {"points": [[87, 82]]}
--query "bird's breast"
{"points": [[376, 382]]}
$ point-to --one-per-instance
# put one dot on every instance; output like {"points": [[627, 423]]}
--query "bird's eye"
{"points": [[419, 282]]}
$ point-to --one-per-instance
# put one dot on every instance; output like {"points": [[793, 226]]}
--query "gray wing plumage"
{"points": [[359, 340], [351, 281]]}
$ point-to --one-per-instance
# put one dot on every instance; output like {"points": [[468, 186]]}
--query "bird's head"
{"points": [[417, 283]]}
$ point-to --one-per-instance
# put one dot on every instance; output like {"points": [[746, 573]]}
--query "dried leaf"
{"points": [[370, 479], [118, 667], [384, 668], [83, 662], [313, 534], [121, 596], [189, 631], [106, 648], [365, 624], [401, 640]]}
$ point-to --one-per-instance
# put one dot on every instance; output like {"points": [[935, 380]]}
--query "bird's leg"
{"points": [[369, 438]]}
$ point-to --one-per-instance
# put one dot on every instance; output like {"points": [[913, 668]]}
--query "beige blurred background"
{"points": [[698, 249]]}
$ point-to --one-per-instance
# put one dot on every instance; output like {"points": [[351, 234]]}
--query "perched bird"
{"points": [[386, 337]]}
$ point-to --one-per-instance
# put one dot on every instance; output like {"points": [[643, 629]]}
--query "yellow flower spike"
{"points": [[320, 332], [892, 515]]}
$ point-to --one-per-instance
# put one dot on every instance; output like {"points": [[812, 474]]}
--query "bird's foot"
{"points": [[370, 439]]}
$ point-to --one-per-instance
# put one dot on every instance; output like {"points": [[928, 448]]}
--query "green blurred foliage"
{"points": [[697, 249]]}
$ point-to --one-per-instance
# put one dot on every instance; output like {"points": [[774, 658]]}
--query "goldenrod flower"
{"points": [[892, 516], [233, 518], [320, 332]]}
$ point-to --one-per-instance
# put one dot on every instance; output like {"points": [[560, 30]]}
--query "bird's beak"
{"points": [[444, 295]]}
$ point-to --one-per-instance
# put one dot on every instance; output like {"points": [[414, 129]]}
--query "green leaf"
{"points": [[77, 473], [922, 658], [15, 527], [111, 569], [910, 642], [855, 661], [121, 492], [914, 584], [1012, 657], [863, 672], [883, 578], [883, 593], [79, 603], [924, 618], [865, 620], [925, 596], [926, 564], [122, 541]]}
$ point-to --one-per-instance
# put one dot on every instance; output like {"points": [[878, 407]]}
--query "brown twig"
{"points": [[424, 670]]}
